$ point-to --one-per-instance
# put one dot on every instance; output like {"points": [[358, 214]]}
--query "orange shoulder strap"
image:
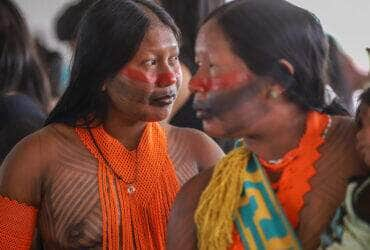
{"points": [[17, 224]]}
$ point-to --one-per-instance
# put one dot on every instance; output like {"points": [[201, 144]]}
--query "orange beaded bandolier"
{"points": [[17, 224], [136, 188], [297, 166]]}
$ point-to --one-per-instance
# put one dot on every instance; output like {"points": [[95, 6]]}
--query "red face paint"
{"points": [[139, 76], [225, 81], [167, 78], [162, 79]]}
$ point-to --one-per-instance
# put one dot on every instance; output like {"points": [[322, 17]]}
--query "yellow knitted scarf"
{"points": [[214, 215]]}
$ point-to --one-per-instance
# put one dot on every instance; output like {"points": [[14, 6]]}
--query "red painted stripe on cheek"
{"points": [[229, 80], [137, 75], [201, 84], [225, 81]]}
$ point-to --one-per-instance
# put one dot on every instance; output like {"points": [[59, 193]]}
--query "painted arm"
{"points": [[20, 194]]}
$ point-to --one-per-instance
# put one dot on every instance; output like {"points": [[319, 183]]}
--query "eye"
{"points": [[173, 59], [150, 63]]}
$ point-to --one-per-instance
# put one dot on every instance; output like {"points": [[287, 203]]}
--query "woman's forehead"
{"points": [[211, 39], [159, 36], [210, 30]]}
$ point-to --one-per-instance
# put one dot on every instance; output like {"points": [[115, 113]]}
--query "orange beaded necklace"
{"points": [[136, 188], [297, 166]]}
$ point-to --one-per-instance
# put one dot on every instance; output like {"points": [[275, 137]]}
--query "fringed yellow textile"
{"points": [[214, 215]]}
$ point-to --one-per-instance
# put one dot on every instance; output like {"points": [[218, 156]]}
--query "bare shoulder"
{"points": [[341, 141], [342, 130], [190, 133], [23, 170], [342, 123], [341, 134], [202, 147], [181, 226]]}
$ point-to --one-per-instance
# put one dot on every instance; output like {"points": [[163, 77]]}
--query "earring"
{"points": [[274, 94], [104, 88]]}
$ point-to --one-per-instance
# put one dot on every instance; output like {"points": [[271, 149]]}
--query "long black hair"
{"points": [[109, 36], [20, 70], [262, 32]]}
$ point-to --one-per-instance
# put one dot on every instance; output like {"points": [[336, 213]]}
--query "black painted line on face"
{"points": [[222, 101], [127, 90]]}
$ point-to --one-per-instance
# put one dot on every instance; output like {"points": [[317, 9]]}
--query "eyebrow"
{"points": [[157, 49]]}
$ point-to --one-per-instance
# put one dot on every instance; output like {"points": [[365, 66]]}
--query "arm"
{"points": [[191, 151], [181, 230], [20, 194]]}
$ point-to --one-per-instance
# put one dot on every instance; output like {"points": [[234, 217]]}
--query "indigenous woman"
{"points": [[260, 78], [103, 173]]}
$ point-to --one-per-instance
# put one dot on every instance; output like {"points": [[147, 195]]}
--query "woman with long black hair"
{"points": [[103, 173]]}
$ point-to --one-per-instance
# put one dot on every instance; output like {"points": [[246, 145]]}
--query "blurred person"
{"points": [[68, 19], [20, 69], [261, 77], [19, 116], [66, 26], [52, 62], [23, 93], [345, 77], [350, 227], [103, 173]]}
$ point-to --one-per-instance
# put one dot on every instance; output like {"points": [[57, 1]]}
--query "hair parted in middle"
{"points": [[109, 35]]}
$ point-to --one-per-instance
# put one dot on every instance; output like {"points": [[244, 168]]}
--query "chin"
{"points": [[157, 117], [155, 114], [213, 128], [219, 129]]}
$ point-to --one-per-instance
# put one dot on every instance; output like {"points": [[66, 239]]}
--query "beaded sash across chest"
{"points": [[297, 166], [136, 188]]}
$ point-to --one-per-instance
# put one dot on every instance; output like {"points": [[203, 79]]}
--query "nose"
{"points": [[199, 84], [166, 79]]}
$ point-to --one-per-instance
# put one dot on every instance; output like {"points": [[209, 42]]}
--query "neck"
{"points": [[126, 131], [272, 142]]}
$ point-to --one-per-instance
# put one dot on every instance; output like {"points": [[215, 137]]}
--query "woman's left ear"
{"points": [[275, 91], [287, 66]]}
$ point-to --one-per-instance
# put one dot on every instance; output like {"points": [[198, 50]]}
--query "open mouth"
{"points": [[203, 114], [162, 100], [202, 111]]}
